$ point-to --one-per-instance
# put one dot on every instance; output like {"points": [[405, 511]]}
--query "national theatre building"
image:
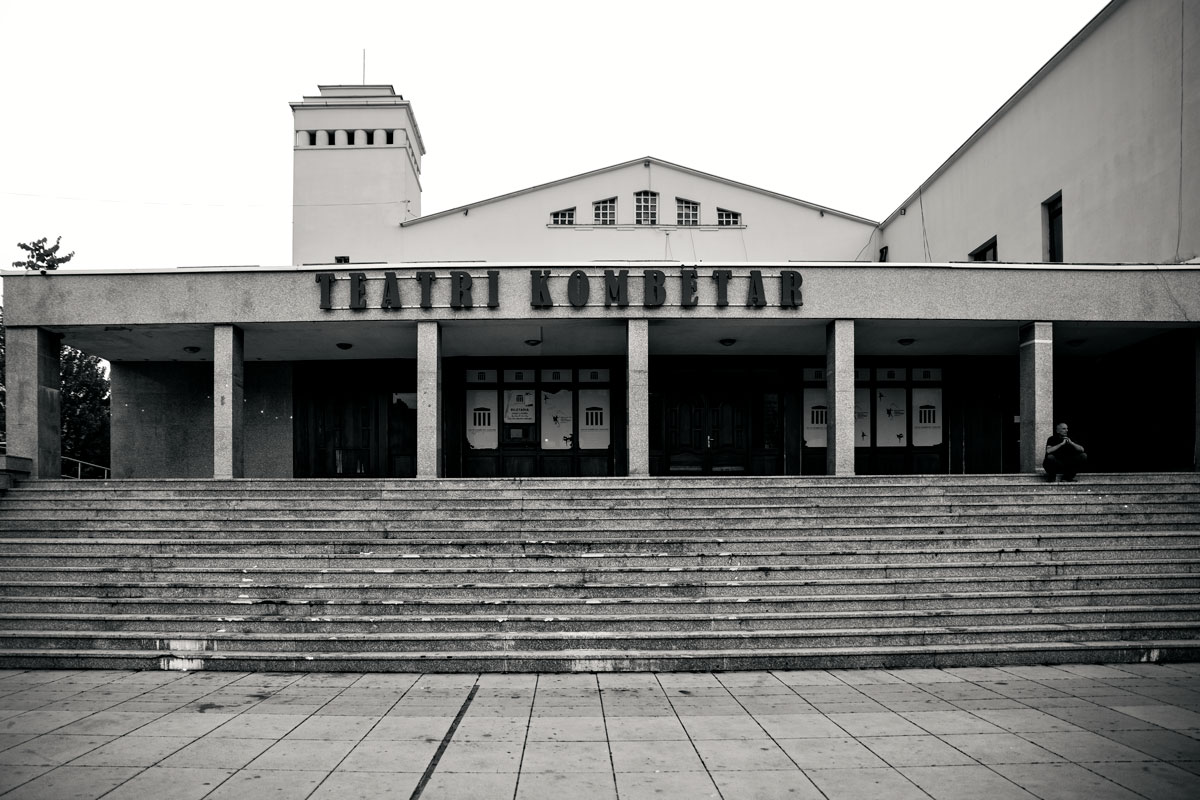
{"points": [[645, 417], [650, 319]]}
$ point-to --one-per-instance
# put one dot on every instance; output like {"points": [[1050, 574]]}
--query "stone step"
{"points": [[559, 561], [597, 623], [768, 543], [575, 587], [250, 607], [830, 524], [1097, 650], [401, 575], [737, 482], [653, 513], [43, 502], [614, 641], [598, 574]]}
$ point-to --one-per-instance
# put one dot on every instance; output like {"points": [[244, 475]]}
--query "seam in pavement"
{"points": [[528, 724], [688, 733], [462, 712], [607, 741]]}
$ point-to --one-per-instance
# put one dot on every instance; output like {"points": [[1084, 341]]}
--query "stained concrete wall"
{"points": [[267, 447], [162, 420]]}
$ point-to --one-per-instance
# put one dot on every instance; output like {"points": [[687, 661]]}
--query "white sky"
{"points": [[159, 134]]}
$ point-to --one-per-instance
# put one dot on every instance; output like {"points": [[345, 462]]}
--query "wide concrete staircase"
{"points": [[606, 574]]}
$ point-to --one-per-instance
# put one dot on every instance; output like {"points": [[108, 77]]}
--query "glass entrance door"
{"points": [[354, 419], [708, 432], [346, 434]]}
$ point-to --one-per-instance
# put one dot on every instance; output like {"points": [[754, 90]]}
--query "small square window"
{"points": [[564, 217], [604, 212], [341, 259], [645, 208], [728, 218], [687, 212], [985, 251]]}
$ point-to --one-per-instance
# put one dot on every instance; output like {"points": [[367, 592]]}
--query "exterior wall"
{"points": [[517, 227], [268, 421], [162, 420], [349, 198], [1103, 126], [257, 298]]}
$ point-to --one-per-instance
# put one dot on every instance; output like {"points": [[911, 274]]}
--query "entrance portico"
{"points": [[399, 371]]}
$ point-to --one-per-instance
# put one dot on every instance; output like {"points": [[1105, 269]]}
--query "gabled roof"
{"points": [[634, 162], [1017, 96]]}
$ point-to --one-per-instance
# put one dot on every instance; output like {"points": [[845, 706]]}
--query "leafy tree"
{"points": [[41, 257]]}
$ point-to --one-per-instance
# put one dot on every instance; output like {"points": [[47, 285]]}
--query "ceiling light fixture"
{"points": [[344, 345], [191, 348], [728, 342], [905, 342]]}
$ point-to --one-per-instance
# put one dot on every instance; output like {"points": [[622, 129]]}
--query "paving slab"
{"points": [[1055, 733]]}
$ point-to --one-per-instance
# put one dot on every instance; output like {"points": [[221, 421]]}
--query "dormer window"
{"points": [[686, 212], [728, 218], [564, 217], [645, 208], [604, 212]]}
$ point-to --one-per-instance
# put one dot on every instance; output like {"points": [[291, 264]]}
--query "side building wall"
{"points": [[162, 420], [1112, 126]]}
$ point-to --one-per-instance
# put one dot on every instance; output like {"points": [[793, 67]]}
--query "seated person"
{"points": [[1062, 455]]}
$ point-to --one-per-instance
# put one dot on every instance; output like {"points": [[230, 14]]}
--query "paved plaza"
{"points": [[1127, 731]]}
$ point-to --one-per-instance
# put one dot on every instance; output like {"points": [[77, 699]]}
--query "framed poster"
{"points": [[518, 406], [594, 433], [862, 417], [816, 418], [927, 421], [482, 419], [891, 417], [558, 421]]}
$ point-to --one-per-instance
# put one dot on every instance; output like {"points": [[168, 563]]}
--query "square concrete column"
{"points": [[228, 401], [34, 399], [1037, 392], [839, 391], [637, 427], [429, 400]]}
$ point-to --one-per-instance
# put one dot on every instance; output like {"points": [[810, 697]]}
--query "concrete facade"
{"points": [[736, 328], [1111, 125]]}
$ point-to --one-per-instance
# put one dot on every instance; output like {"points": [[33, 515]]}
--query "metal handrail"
{"points": [[79, 465]]}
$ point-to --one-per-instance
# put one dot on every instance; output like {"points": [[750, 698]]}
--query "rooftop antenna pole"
{"points": [[364, 66]]}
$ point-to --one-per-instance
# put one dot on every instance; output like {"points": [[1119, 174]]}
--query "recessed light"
{"points": [[344, 345], [191, 348], [905, 342], [728, 342], [533, 342]]}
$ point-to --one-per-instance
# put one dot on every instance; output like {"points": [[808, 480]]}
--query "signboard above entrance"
{"points": [[463, 290]]}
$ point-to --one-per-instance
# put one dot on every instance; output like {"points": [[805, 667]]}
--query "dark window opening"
{"points": [[985, 251], [391, 137], [883, 251], [1052, 217], [341, 259]]}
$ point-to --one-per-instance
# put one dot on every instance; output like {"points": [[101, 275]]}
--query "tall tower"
{"points": [[356, 174]]}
